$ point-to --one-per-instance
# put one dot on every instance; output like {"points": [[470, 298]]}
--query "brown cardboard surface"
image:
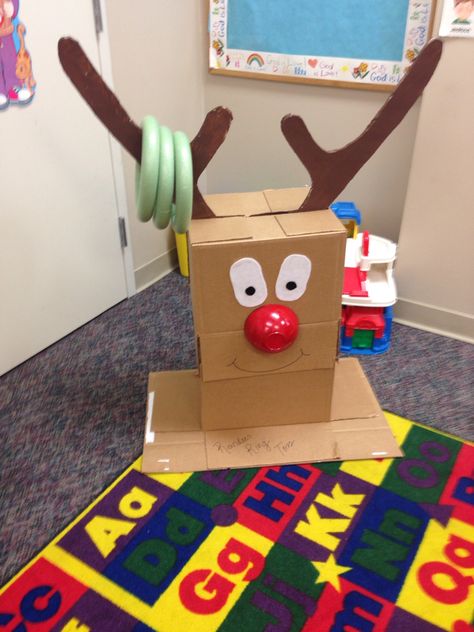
{"points": [[267, 400], [355, 397], [281, 200], [267, 446], [183, 394], [165, 456], [255, 203], [310, 223], [237, 228], [178, 450], [219, 230], [228, 204], [215, 307], [265, 227], [229, 355], [304, 443]]}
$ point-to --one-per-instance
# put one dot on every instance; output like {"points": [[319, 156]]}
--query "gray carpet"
{"points": [[72, 417]]}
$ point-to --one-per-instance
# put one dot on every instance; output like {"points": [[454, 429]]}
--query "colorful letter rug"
{"points": [[363, 545]]}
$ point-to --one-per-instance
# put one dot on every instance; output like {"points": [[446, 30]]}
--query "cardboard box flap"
{"points": [[355, 397], [171, 456], [230, 204], [275, 445], [285, 199], [377, 443], [225, 229], [265, 227], [264, 446], [301, 443], [176, 410], [310, 223]]}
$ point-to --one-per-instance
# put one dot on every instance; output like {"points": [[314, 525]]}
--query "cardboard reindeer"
{"points": [[266, 284]]}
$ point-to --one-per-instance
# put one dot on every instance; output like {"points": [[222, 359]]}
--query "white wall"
{"points": [[159, 67], [435, 271]]}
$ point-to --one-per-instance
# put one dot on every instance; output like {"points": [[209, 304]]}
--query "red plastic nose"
{"points": [[272, 328]]}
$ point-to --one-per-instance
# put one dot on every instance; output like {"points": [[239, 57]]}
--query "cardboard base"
{"points": [[175, 441]]}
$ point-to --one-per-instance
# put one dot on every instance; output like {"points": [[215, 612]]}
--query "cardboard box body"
{"points": [[243, 407], [215, 244], [267, 400], [229, 356], [254, 387]]}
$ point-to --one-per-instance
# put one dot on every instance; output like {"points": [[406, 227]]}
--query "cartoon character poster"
{"points": [[457, 19], [17, 85]]}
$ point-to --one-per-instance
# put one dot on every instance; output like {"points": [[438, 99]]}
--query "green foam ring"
{"points": [[182, 211], [146, 174], [164, 197]]}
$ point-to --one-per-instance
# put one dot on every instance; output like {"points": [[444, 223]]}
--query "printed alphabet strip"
{"points": [[365, 545]]}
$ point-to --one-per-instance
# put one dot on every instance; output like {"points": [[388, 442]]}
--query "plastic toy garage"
{"points": [[369, 290]]}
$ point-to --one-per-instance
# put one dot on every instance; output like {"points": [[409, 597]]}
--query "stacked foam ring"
{"points": [[164, 179]]}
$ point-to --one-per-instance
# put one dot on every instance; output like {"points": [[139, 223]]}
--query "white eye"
{"points": [[248, 282], [293, 277]]}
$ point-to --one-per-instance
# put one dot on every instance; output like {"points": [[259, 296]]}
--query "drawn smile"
{"points": [[279, 368]]}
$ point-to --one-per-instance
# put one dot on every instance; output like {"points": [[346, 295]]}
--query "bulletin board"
{"points": [[348, 43]]}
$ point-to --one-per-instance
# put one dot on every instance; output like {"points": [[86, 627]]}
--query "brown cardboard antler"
{"points": [[109, 110], [331, 171], [203, 147]]}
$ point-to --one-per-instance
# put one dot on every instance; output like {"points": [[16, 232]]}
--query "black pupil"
{"points": [[250, 291], [291, 285]]}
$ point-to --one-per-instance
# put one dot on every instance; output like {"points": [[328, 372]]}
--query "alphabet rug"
{"points": [[386, 544]]}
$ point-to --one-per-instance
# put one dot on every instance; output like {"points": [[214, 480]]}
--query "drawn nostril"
{"points": [[271, 328]]}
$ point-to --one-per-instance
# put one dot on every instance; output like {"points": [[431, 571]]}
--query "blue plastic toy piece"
{"points": [[346, 210]]}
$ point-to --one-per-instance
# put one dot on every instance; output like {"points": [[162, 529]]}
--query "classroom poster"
{"points": [[457, 19], [17, 85]]}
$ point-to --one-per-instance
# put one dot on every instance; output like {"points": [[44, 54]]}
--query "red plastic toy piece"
{"points": [[272, 328], [365, 243], [364, 318], [354, 282]]}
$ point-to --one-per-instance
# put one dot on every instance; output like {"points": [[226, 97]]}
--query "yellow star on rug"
{"points": [[329, 571]]}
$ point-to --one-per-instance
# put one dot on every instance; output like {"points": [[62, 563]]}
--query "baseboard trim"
{"points": [[435, 319], [155, 269]]}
